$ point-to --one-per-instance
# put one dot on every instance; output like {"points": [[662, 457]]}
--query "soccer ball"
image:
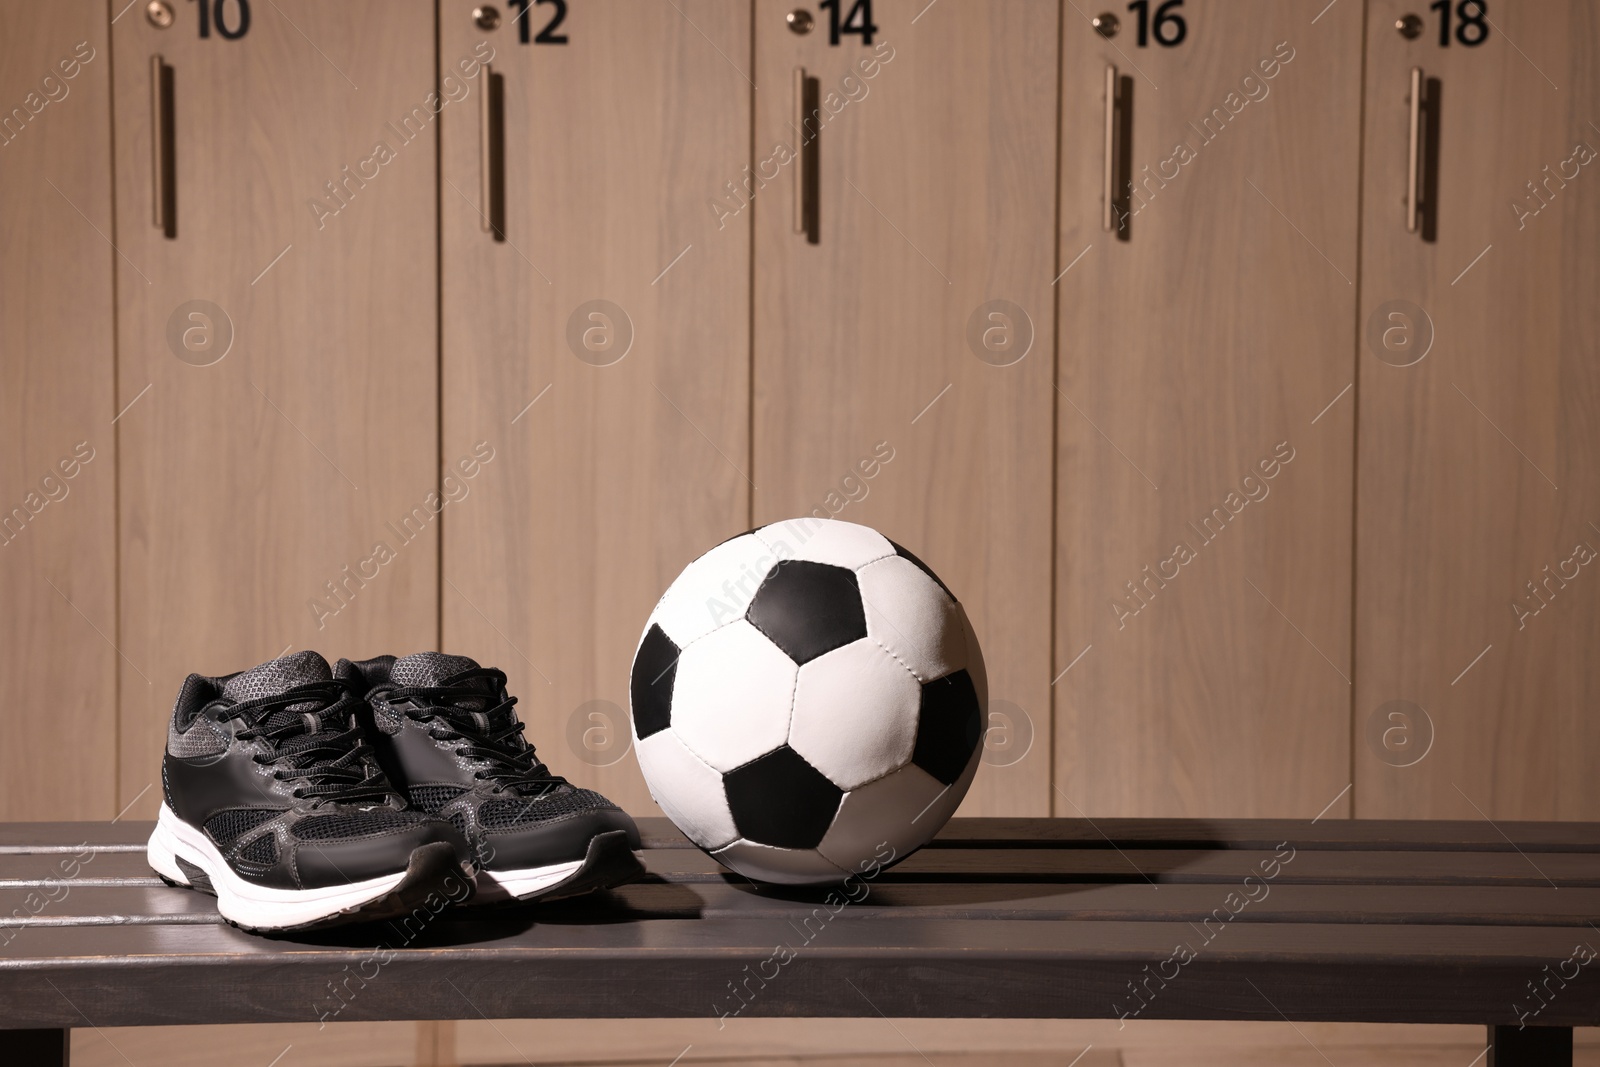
{"points": [[808, 701]]}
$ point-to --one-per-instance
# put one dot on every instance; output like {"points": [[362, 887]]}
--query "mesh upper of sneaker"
{"points": [[520, 806], [317, 719], [517, 812]]}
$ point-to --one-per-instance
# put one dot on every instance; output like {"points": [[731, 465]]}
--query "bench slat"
{"points": [[1379, 922], [141, 975]]}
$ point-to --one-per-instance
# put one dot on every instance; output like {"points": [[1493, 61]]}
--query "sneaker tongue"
{"points": [[277, 676], [430, 669]]}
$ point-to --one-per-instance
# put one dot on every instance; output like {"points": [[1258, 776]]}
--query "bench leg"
{"points": [[1532, 1046], [37, 1048]]}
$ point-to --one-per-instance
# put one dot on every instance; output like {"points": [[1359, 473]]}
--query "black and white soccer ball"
{"points": [[808, 699]]}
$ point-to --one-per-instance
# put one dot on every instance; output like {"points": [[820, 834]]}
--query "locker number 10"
{"points": [[231, 17]]}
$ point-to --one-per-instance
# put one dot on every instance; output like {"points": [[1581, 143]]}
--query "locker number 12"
{"points": [[548, 35]]}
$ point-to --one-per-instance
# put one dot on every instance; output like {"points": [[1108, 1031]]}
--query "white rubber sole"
{"points": [[525, 883], [608, 861], [253, 906]]}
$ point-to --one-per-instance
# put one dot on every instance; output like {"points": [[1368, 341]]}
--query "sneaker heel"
{"points": [[163, 859]]}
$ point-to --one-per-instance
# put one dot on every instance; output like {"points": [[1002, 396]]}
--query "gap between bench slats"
{"points": [[1024, 833], [1013, 865], [21, 910]]}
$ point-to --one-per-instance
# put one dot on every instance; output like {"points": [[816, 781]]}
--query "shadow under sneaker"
{"points": [[274, 803], [446, 733]]}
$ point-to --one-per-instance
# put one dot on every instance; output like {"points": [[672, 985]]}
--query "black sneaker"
{"points": [[446, 733], [274, 803]]}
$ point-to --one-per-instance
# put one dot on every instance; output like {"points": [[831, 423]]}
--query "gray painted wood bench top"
{"points": [[1372, 921]]}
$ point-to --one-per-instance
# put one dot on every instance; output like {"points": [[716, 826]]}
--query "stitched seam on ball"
{"points": [[910, 762], [794, 698], [817, 852], [856, 569], [823, 857], [946, 594], [685, 647], [757, 535], [891, 554], [692, 752], [828, 859], [914, 675]]}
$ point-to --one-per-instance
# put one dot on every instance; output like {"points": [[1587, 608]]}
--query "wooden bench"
{"points": [[1365, 921]]}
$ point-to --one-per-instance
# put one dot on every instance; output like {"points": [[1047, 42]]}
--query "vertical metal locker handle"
{"points": [[492, 154], [485, 182], [1413, 155], [1108, 209], [800, 151], [163, 194]]}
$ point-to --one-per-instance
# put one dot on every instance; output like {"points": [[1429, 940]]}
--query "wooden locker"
{"points": [[278, 367], [58, 644], [600, 349], [1204, 443], [903, 333], [1478, 601]]}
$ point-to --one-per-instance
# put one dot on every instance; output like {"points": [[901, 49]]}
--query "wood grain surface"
{"points": [[935, 195], [1204, 456], [620, 441], [1389, 933], [58, 447], [255, 490], [1478, 465]]}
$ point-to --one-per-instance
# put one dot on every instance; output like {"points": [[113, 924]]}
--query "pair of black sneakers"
{"points": [[303, 795]]}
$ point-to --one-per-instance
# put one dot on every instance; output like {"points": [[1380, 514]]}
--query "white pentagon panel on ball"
{"points": [[731, 696], [714, 590], [842, 544], [855, 714], [688, 789], [785, 866], [903, 810], [908, 614]]}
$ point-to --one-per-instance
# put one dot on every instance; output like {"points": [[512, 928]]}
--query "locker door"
{"points": [[1478, 602], [58, 661], [276, 291], [903, 322], [599, 350], [1205, 428]]}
